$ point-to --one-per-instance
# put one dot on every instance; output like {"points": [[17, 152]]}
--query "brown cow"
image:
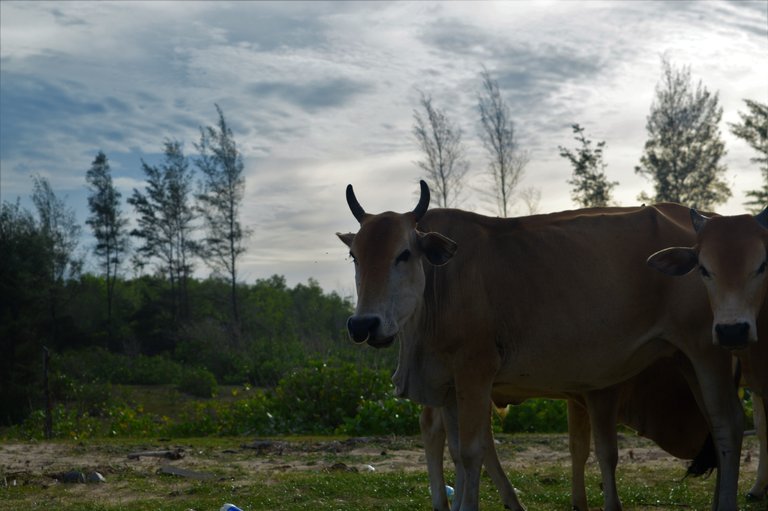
{"points": [[731, 254], [535, 309], [657, 403]]}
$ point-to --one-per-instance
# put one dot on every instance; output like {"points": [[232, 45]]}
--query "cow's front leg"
{"points": [[714, 386], [496, 473], [433, 435], [451, 423], [473, 403], [759, 490], [491, 461]]}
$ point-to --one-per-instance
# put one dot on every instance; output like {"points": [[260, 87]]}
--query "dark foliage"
{"points": [[282, 328]]}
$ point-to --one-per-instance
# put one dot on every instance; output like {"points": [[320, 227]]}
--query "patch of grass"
{"points": [[544, 482]]}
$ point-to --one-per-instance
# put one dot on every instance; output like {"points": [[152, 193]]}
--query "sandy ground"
{"points": [[45, 462]]}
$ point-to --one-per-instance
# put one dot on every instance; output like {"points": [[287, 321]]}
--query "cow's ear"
{"points": [[346, 238], [437, 248], [675, 261]]}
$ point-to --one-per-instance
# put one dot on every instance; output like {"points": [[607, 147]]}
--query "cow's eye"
{"points": [[403, 257], [352, 256], [704, 272], [761, 268]]}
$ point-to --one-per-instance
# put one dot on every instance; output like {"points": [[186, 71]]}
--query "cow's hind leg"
{"points": [[578, 443], [603, 413], [760, 488]]}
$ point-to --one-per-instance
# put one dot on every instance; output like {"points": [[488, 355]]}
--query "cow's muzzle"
{"points": [[732, 335], [366, 328], [363, 327]]}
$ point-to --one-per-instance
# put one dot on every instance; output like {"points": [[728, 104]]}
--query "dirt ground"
{"points": [[45, 462]]}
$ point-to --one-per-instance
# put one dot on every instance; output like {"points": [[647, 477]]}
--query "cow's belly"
{"points": [[581, 368]]}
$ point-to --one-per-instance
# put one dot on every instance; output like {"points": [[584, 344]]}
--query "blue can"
{"points": [[230, 507]]}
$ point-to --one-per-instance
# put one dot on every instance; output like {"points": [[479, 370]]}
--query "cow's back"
{"points": [[539, 287]]}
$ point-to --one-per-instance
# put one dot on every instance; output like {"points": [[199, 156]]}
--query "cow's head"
{"points": [[388, 252], [730, 253]]}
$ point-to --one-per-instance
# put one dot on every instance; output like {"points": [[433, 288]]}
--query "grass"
{"points": [[280, 484]]}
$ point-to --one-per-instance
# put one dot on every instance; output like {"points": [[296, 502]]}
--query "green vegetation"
{"points": [[536, 416], [300, 476], [323, 398], [281, 331]]}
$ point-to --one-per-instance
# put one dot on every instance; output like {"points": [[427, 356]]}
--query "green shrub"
{"points": [[749, 412], [99, 365], [318, 398], [198, 382], [250, 416], [391, 416], [129, 421], [323, 398], [67, 423], [155, 370], [537, 415]]}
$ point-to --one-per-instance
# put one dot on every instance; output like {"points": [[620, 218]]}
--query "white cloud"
{"points": [[321, 94]]}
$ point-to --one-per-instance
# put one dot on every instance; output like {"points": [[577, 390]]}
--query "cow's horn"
{"points": [[762, 218], [423, 204], [698, 220], [354, 206]]}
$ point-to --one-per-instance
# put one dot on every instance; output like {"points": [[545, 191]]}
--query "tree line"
{"points": [[189, 213], [682, 156], [46, 301]]}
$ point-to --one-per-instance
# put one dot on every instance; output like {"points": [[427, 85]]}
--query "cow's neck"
{"points": [[421, 375]]}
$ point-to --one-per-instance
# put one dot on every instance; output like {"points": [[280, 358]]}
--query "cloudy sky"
{"points": [[321, 94]]}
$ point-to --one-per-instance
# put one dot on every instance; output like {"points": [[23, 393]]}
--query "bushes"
{"points": [[99, 365], [391, 416], [318, 398], [198, 382], [324, 398], [87, 368], [537, 415]]}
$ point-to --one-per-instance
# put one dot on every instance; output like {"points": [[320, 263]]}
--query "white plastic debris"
{"points": [[94, 477]]}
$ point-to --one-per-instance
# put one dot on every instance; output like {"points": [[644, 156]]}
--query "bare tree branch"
{"points": [[444, 162], [506, 162]]}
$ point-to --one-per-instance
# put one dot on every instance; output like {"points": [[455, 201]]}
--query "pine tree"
{"points": [[684, 148], [591, 187], [61, 234], [109, 228], [223, 187], [165, 221], [753, 128]]}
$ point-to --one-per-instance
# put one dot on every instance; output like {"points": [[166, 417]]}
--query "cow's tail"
{"points": [[706, 461]]}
